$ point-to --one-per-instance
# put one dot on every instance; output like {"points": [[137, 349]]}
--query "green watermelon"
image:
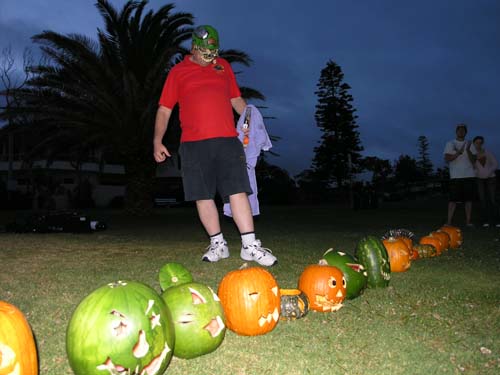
{"points": [[198, 319], [354, 273], [172, 274], [372, 254], [123, 327]]}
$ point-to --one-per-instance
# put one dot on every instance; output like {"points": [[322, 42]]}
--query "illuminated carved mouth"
{"points": [[215, 327], [112, 368], [329, 305], [357, 268], [270, 317], [154, 366], [151, 368], [386, 275]]}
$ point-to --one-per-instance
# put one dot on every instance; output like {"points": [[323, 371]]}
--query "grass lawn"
{"points": [[440, 317]]}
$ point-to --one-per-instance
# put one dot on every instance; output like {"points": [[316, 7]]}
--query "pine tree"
{"points": [[424, 162], [338, 156]]}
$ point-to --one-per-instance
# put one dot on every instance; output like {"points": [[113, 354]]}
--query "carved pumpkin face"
{"points": [[354, 272], [122, 327], [456, 236], [251, 301], [399, 254], [17, 346], [198, 319], [434, 241], [407, 240], [443, 237], [324, 285]]}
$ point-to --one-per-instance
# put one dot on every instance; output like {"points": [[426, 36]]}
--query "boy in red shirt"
{"points": [[212, 157]]}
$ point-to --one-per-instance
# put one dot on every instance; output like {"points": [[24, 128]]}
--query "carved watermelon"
{"points": [[198, 318], [354, 272], [172, 274], [121, 328], [372, 254]]}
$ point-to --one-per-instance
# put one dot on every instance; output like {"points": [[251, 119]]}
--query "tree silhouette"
{"points": [[405, 170], [424, 162], [104, 94], [381, 169], [338, 156]]}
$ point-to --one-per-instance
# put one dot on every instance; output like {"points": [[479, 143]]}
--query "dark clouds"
{"points": [[415, 68]]}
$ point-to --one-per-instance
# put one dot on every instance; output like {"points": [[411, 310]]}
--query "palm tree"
{"points": [[104, 94]]}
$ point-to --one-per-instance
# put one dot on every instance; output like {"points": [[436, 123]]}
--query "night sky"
{"points": [[414, 67]]}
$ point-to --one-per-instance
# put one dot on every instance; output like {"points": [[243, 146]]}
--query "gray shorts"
{"points": [[213, 165]]}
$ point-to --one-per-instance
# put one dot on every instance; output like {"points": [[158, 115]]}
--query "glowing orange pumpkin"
{"points": [[251, 301], [17, 347], [324, 286], [456, 235], [434, 241], [444, 238], [407, 240], [399, 254]]}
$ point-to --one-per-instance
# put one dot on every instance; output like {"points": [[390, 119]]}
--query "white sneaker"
{"points": [[216, 251], [258, 254]]}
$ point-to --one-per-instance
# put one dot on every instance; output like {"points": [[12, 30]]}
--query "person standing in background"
{"points": [[485, 166], [459, 157]]}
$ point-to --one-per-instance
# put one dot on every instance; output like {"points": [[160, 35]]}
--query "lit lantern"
{"points": [[17, 346], [251, 301]]}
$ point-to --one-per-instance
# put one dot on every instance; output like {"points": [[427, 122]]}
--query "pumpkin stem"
{"points": [[323, 262], [244, 266]]}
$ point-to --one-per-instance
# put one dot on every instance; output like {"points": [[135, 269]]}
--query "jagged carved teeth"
{"points": [[270, 317], [154, 366], [386, 275], [356, 267], [111, 367]]}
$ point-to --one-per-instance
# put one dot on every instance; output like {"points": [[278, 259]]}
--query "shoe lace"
{"points": [[214, 247], [257, 248]]}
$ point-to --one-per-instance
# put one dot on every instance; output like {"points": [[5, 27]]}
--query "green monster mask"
{"points": [[206, 40]]}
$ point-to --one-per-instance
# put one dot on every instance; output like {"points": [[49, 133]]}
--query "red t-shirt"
{"points": [[204, 95]]}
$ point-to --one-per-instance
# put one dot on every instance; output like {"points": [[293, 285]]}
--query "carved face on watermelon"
{"points": [[198, 319], [385, 269], [120, 328]]}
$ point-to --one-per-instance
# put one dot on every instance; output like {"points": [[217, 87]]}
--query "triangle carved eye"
{"points": [[254, 296], [197, 297]]}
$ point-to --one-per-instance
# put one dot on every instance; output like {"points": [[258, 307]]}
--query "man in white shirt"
{"points": [[458, 154]]}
